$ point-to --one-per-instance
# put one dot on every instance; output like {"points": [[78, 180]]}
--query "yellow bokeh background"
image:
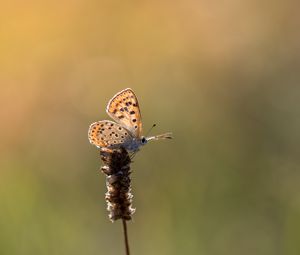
{"points": [[222, 76]]}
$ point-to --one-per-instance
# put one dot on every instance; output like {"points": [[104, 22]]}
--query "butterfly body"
{"points": [[135, 144], [132, 145], [127, 128]]}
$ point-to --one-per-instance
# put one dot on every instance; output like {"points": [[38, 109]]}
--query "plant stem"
{"points": [[126, 237]]}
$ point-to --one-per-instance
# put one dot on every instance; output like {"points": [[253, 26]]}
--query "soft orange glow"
{"points": [[222, 76]]}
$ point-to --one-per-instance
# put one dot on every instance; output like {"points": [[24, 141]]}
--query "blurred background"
{"points": [[222, 76]]}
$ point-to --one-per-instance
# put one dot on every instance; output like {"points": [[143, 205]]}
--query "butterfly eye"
{"points": [[144, 140]]}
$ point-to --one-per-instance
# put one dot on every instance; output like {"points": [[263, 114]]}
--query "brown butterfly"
{"points": [[126, 131]]}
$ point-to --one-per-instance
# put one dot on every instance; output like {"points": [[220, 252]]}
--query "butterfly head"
{"points": [[136, 143], [144, 140]]}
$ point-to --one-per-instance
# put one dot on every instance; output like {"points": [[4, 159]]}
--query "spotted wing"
{"points": [[107, 133], [124, 109]]}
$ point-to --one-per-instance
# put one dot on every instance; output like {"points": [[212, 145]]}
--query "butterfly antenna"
{"points": [[153, 126]]}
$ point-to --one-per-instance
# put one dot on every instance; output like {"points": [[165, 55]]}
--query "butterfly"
{"points": [[126, 131]]}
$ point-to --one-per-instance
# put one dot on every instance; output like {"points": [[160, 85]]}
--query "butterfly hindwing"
{"points": [[107, 133], [124, 109]]}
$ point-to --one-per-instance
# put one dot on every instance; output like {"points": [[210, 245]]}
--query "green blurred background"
{"points": [[223, 76]]}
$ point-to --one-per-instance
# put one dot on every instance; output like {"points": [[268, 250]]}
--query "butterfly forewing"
{"points": [[124, 109], [107, 133]]}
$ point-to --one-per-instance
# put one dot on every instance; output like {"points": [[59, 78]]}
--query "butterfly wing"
{"points": [[124, 109], [107, 134]]}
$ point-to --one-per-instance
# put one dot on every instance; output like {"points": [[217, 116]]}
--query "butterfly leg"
{"points": [[132, 155]]}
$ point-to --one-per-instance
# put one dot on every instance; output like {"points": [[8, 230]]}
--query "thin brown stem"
{"points": [[126, 237]]}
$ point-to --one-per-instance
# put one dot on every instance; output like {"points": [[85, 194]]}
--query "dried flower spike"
{"points": [[117, 170]]}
